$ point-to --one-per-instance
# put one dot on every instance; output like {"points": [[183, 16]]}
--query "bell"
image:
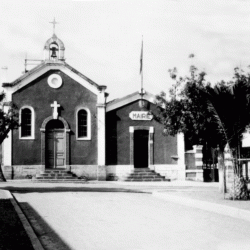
{"points": [[53, 54]]}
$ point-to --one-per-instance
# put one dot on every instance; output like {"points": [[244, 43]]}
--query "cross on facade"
{"points": [[54, 25], [55, 111]]}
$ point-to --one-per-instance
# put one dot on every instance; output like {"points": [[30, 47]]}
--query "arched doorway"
{"points": [[55, 144]]}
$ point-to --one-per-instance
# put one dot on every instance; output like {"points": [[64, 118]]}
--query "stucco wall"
{"points": [[118, 137], [70, 96]]}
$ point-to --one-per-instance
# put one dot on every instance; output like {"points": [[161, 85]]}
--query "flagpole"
{"points": [[141, 102], [141, 70]]}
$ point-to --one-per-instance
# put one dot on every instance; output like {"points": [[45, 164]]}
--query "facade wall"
{"points": [[71, 95], [118, 137]]}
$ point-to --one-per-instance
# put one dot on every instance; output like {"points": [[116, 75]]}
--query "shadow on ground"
{"points": [[12, 233], [68, 189], [49, 239]]}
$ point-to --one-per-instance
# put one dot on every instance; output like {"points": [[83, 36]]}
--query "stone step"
{"points": [[67, 178], [156, 178], [48, 171], [143, 170], [54, 175], [144, 177], [145, 180], [144, 174], [59, 181]]}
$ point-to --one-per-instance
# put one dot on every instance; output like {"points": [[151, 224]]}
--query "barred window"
{"points": [[82, 123], [26, 122]]}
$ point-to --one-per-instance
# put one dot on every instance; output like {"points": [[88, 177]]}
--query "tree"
{"points": [[230, 106], [207, 114], [8, 121], [186, 110]]}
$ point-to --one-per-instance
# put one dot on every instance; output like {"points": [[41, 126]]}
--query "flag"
{"points": [[141, 59]]}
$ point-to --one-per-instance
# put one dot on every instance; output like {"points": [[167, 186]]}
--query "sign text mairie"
{"points": [[141, 115]]}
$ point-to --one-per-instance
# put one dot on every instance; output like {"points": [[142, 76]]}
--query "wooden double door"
{"points": [[55, 148]]}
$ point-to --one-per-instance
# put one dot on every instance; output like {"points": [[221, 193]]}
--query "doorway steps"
{"points": [[57, 175], [145, 174]]}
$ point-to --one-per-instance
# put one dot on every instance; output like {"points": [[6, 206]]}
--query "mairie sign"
{"points": [[140, 115]]}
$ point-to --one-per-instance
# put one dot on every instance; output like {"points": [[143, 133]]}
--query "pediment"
{"points": [[117, 103], [47, 66]]}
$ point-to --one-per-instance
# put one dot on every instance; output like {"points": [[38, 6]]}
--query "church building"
{"points": [[66, 123]]}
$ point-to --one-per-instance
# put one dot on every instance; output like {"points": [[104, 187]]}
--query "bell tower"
{"points": [[54, 47]]}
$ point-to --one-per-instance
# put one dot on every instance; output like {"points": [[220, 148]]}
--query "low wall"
{"points": [[194, 175], [21, 171], [92, 172], [169, 171], [95, 172]]}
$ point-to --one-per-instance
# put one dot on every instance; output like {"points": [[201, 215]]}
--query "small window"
{"points": [[83, 124], [27, 123]]}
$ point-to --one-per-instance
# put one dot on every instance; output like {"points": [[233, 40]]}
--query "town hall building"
{"points": [[67, 123]]}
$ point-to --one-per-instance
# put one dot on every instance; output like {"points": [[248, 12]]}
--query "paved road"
{"points": [[112, 220]]}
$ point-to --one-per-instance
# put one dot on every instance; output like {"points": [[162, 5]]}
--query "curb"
{"points": [[27, 227], [208, 206]]}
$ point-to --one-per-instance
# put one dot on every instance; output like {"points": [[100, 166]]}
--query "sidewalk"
{"points": [[209, 201], [209, 195], [200, 195], [15, 231]]}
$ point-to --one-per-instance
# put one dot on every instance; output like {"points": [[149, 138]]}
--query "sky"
{"points": [[103, 39]]}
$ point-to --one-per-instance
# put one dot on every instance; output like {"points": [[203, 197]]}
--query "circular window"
{"points": [[55, 81]]}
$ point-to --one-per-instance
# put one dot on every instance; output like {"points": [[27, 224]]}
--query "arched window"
{"points": [[27, 123], [83, 124]]}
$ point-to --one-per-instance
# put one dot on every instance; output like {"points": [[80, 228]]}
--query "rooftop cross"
{"points": [[54, 25]]}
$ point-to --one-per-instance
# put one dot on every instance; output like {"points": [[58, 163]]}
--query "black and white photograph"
{"points": [[124, 124]]}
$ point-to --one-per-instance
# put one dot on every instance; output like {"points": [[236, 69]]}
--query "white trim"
{"points": [[131, 129], [88, 137], [57, 84], [7, 150], [151, 130], [32, 137], [7, 146], [128, 99], [181, 156], [8, 94], [7, 143], [62, 68], [101, 135]]}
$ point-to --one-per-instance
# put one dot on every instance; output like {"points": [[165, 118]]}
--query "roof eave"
{"points": [[117, 103]]}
